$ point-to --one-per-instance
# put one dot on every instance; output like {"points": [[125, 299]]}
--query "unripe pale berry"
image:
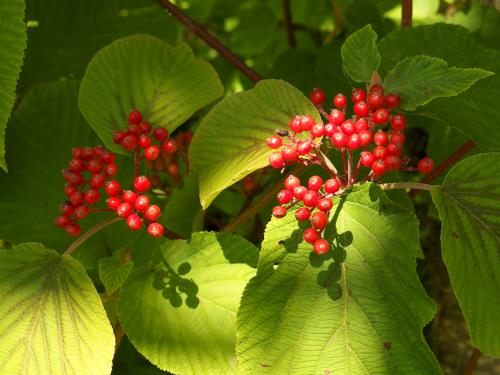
{"points": [[310, 235]]}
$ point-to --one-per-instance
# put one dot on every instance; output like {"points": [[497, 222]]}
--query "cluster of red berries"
{"points": [[372, 136], [99, 165], [132, 205], [317, 203], [137, 138]]}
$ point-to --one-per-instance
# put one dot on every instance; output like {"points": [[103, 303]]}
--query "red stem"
{"points": [[344, 164], [406, 13], [287, 14], [210, 40]]}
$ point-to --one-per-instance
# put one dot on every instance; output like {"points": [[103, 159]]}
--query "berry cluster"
{"points": [[317, 203], [369, 135], [83, 193], [132, 205]]}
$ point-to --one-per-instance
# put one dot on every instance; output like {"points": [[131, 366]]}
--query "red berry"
{"points": [[160, 133], [81, 212], [307, 122], [152, 152], [129, 142], [392, 162], [129, 196], [397, 137], [329, 130], [310, 235], [303, 148], [73, 178], [91, 196], [310, 198], [366, 159], [358, 95], [134, 117], [339, 139], [398, 121], [76, 198], [124, 209], [376, 87], [155, 230], [380, 138], [291, 182], [365, 137], [361, 124], [348, 127], [274, 142], [317, 130], [299, 191], [315, 183], [152, 212], [302, 214], [376, 99], [276, 160], [289, 153], [392, 100], [144, 141], [425, 165], [361, 109], [332, 185], [97, 181], [61, 221], [107, 157], [134, 222], [394, 149], [319, 220], [73, 229], [381, 116], [380, 152], [111, 170], [113, 187], [113, 202], [134, 129], [279, 211], [142, 183], [354, 142], [378, 167], [317, 96], [321, 246], [69, 189], [340, 101], [88, 153], [170, 146], [76, 152], [324, 204], [145, 127], [284, 196], [296, 124], [119, 136], [336, 117], [67, 208], [76, 165]]}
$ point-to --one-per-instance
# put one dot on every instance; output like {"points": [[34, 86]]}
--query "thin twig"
{"points": [[96, 228], [118, 331], [287, 15], [405, 185], [210, 40], [406, 13], [349, 167], [471, 365], [445, 164]]}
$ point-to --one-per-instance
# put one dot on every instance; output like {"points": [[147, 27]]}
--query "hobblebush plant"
{"points": [[138, 194]]}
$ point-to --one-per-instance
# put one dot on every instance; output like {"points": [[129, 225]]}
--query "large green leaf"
{"points": [[360, 55], [64, 35], [113, 273], [195, 335], [12, 45], [469, 206], [168, 84], [420, 79], [360, 312], [53, 321], [231, 142], [474, 112]]}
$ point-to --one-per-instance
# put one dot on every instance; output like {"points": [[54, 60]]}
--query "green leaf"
{"points": [[469, 207], [12, 45], [113, 273], [53, 321], [231, 141], [361, 311], [168, 84], [197, 336], [420, 79], [62, 41], [474, 111], [360, 55]]}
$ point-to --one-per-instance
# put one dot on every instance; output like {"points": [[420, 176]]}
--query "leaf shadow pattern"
{"points": [[329, 278], [172, 285]]}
